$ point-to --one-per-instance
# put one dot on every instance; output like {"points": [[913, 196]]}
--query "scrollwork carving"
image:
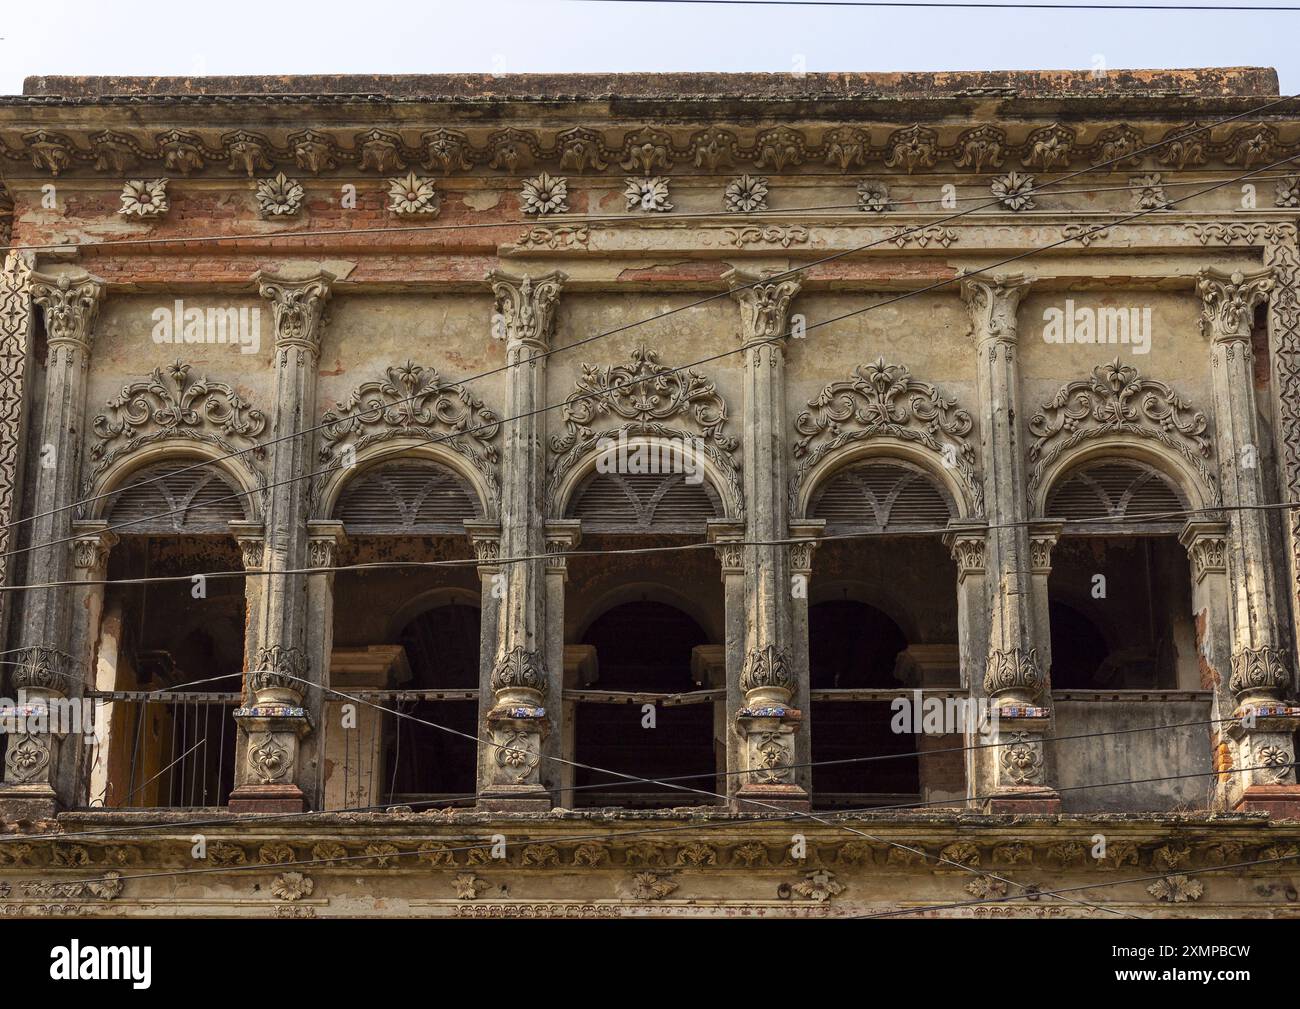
{"points": [[883, 400], [1117, 400], [415, 402], [646, 396], [176, 407]]}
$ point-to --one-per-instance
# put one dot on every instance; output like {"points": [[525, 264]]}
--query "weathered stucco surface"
{"points": [[420, 407]]}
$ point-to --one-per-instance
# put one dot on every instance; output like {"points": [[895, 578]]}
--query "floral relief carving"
{"points": [[292, 886], [1177, 889], [413, 195], [745, 195], [648, 194], [414, 402], [1149, 192], [1118, 400], [652, 886], [643, 398], [278, 196], [144, 198], [544, 195], [883, 400], [1014, 191], [873, 196]]}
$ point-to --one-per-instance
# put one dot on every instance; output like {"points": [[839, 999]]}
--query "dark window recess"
{"points": [[644, 646], [853, 645], [442, 646]]}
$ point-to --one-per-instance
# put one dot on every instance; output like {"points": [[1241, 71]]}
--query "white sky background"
{"points": [[216, 37]]}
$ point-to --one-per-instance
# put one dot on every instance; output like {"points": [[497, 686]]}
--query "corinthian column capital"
{"points": [[1229, 301], [764, 303], [993, 302], [297, 307], [71, 303], [524, 309]]}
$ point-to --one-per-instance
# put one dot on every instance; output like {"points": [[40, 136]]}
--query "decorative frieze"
{"points": [[646, 150]]}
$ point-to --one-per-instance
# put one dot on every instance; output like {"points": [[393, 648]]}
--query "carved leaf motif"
{"points": [[415, 402], [1116, 399], [176, 407], [646, 396], [883, 400]]}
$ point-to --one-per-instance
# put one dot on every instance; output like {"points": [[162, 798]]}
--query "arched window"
{"points": [[884, 523], [179, 644], [644, 503], [406, 539], [1119, 590], [406, 498]]}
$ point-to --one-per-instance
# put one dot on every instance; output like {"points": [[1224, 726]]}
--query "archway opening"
{"points": [[407, 518], [644, 651], [421, 762], [1119, 591], [882, 627], [171, 641]]}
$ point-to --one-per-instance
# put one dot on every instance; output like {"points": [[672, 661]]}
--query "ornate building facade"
{"points": [[703, 495]]}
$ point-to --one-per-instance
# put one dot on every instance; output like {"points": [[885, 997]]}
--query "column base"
{"points": [[516, 799], [27, 802], [771, 799], [267, 799], [1041, 801], [1280, 802]]}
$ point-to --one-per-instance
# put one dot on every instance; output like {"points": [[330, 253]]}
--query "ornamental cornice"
{"points": [[593, 148]]}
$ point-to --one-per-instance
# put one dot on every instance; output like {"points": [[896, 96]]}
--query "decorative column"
{"points": [[728, 539], [1014, 676], [325, 538], [1206, 542], [562, 535], [967, 542], [1282, 257], [485, 538], [1265, 778], [1044, 534], [15, 361], [269, 777], [90, 551], [769, 721], [34, 780], [800, 557], [523, 687]]}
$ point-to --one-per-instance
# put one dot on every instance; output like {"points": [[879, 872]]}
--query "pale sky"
{"points": [[518, 36]]}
